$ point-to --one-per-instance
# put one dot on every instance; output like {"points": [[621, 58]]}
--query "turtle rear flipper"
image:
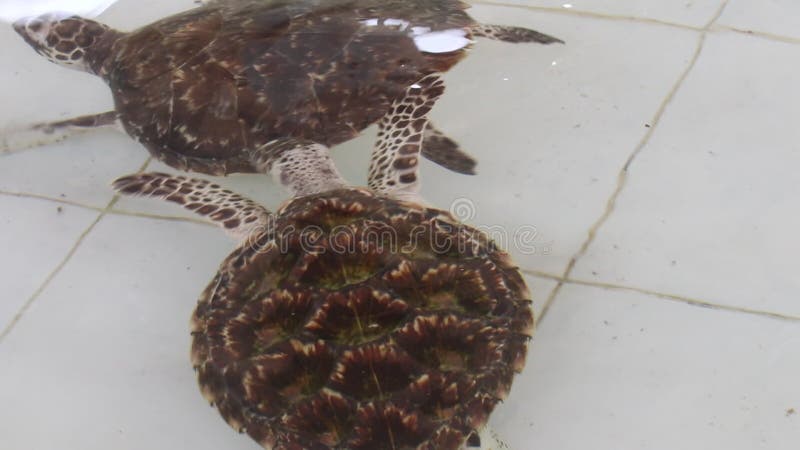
{"points": [[446, 152], [16, 139], [513, 34], [236, 214]]}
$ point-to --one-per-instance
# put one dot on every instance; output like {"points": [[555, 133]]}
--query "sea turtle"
{"points": [[213, 89], [350, 319]]}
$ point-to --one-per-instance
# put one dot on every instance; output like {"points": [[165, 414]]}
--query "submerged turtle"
{"points": [[213, 89], [350, 320]]}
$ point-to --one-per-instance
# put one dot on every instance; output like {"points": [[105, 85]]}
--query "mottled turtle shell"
{"points": [[203, 88], [357, 322]]}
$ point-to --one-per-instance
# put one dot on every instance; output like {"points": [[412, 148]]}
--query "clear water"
{"points": [[93, 352]]}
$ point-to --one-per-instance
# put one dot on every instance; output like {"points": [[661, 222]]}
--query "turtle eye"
{"points": [[35, 25]]}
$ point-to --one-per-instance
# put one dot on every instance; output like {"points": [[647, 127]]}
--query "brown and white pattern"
{"points": [[395, 159], [351, 321], [239, 216], [67, 40], [302, 167], [203, 90], [390, 347]]}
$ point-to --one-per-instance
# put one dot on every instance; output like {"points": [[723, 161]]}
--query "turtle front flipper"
{"points": [[393, 169], [236, 214], [446, 152], [513, 34], [17, 139]]}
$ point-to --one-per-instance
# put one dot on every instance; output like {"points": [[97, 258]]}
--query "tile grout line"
{"points": [[29, 302], [589, 14], [759, 34], [50, 199], [543, 275], [622, 177], [664, 296], [644, 20], [163, 217], [113, 211]]}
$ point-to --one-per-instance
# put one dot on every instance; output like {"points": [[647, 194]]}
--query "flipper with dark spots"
{"points": [[238, 215], [393, 169]]}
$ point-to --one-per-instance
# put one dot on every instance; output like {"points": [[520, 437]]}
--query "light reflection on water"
{"points": [[11, 10]]}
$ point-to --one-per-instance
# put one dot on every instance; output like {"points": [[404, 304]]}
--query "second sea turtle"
{"points": [[350, 320]]}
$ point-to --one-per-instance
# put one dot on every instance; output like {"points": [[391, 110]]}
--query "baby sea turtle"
{"points": [[348, 319], [215, 88]]}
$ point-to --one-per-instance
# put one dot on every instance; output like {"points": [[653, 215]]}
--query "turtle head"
{"points": [[68, 40]]}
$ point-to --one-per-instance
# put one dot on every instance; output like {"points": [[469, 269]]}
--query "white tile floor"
{"points": [[655, 154]]}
